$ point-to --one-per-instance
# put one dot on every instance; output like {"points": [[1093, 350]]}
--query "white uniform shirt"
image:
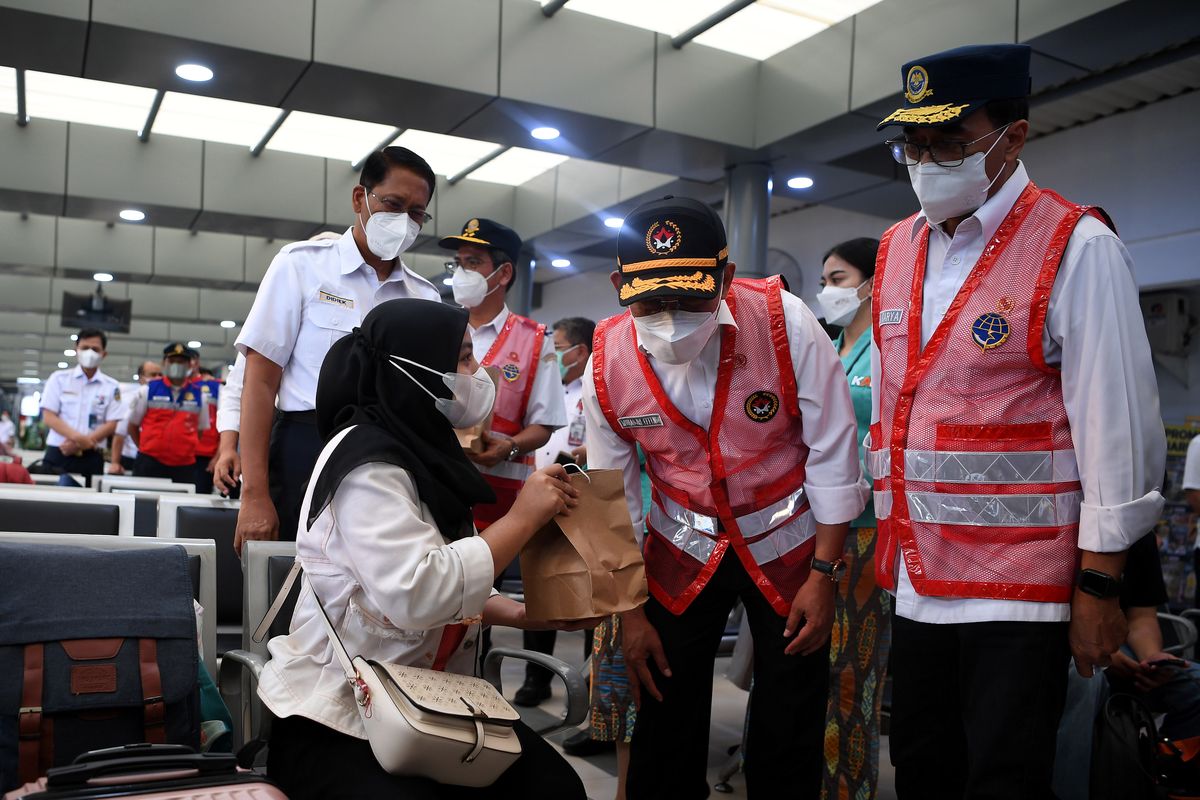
{"points": [[570, 435], [313, 294], [1112, 402], [388, 580], [545, 405], [83, 403], [229, 401], [8, 430], [833, 478], [1191, 472], [128, 448]]}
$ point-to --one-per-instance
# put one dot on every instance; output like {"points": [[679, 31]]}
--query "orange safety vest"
{"points": [[168, 431]]}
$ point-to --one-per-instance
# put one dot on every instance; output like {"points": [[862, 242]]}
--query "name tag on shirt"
{"points": [[893, 316], [333, 299], [644, 421]]}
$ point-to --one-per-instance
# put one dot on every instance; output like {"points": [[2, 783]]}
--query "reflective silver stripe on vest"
{"points": [[995, 510], [750, 525], [695, 533], [945, 466], [784, 539], [682, 535], [883, 504], [510, 470]]}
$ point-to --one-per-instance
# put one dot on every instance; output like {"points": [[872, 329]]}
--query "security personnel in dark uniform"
{"points": [[166, 419]]}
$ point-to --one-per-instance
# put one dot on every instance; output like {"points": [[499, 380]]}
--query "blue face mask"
{"points": [[563, 369]]}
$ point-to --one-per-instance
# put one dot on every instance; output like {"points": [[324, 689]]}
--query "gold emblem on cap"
{"points": [[926, 115], [663, 238], [472, 228], [916, 85], [697, 282]]}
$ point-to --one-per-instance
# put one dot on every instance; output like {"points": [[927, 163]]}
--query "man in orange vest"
{"points": [[166, 418], [206, 450], [1017, 443], [737, 398], [528, 402]]}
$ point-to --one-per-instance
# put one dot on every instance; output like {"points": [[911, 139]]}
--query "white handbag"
{"points": [[455, 729]]}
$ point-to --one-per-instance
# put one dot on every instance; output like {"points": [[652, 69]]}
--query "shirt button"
{"points": [[956, 260]]}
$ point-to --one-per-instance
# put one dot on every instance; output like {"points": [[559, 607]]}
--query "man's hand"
{"points": [[1154, 673], [226, 467], [814, 604], [640, 643], [83, 441], [256, 521], [115, 468], [68, 447], [1123, 666], [497, 449], [580, 455], [1098, 628]]}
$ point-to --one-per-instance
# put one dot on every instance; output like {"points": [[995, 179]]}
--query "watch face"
{"points": [[1098, 584]]}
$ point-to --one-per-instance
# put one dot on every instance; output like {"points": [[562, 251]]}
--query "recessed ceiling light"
{"points": [[532, 263], [447, 281], [800, 182], [68, 352], [228, 323], [770, 185], [197, 73], [545, 133], [132, 215], [194, 343], [102, 277], [561, 263], [74, 337], [27, 380], [63, 365], [613, 222]]}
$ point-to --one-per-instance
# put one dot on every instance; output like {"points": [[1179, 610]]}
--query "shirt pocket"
{"points": [[376, 624], [68, 408], [323, 324]]}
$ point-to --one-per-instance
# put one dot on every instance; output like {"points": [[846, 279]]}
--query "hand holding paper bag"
{"points": [[587, 564]]}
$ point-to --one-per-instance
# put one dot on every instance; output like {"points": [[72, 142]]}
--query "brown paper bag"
{"points": [[587, 564], [471, 439]]}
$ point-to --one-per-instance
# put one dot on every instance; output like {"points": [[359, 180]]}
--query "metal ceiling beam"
{"points": [[489, 157], [396, 133], [552, 8], [271, 131], [711, 21], [144, 133], [22, 117], [1095, 80]]}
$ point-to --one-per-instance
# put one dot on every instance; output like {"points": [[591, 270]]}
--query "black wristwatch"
{"points": [[1099, 584], [834, 570], [513, 452]]}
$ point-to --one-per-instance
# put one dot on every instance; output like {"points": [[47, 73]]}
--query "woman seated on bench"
{"points": [[389, 547]]}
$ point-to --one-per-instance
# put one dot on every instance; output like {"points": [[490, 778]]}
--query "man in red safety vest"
{"points": [[166, 418]]}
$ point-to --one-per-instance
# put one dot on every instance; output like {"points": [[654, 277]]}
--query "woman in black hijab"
{"points": [[388, 545]]}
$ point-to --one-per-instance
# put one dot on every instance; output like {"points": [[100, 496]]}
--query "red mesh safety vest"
{"points": [[168, 431], [739, 484], [515, 353], [975, 474]]}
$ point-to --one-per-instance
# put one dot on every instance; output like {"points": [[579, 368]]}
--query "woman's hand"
{"points": [[545, 494], [508, 613]]}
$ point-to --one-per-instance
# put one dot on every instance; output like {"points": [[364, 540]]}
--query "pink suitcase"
{"points": [[150, 772]]}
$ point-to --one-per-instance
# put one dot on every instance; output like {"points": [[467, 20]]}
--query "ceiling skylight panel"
{"points": [[111, 105], [771, 26], [213, 119], [447, 155], [671, 17], [328, 137], [8, 90], [517, 165]]}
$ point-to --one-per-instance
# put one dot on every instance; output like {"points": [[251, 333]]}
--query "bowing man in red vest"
{"points": [[528, 395], [166, 419], [1016, 444], [739, 401]]}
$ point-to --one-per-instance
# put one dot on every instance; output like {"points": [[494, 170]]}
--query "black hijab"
{"points": [[396, 421]]}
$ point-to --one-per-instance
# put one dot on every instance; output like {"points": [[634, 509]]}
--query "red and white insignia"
{"points": [[663, 238], [761, 406]]}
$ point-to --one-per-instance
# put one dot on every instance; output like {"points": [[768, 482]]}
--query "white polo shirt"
{"points": [[313, 294], [83, 403], [545, 400]]}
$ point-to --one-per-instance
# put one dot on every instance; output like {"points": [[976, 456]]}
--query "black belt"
{"points": [[303, 417]]}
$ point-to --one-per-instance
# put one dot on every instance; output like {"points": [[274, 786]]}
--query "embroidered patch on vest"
{"points": [[333, 299], [510, 372], [893, 316], [990, 330], [644, 421], [761, 406]]}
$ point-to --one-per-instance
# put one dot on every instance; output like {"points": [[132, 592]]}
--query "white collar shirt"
{"points": [[313, 294], [545, 403], [83, 403], [1094, 332], [572, 434]]}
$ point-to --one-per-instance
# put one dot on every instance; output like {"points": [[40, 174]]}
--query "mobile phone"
{"points": [[1173, 663], [564, 458]]}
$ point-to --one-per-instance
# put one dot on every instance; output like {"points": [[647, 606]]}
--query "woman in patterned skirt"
{"points": [[861, 634]]}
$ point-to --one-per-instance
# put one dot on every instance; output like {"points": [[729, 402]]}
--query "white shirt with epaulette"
{"points": [[83, 403], [313, 294]]}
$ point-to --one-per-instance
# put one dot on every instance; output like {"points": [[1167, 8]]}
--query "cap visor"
{"points": [[697, 284], [454, 242], [931, 115]]}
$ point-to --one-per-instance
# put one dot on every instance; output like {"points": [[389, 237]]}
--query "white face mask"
{"points": [[470, 287], [388, 234], [676, 337], [946, 192], [88, 359], [473, 397], [839, 304]]}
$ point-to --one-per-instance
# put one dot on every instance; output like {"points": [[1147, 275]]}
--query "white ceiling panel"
{"points": [[110, 105], [213, 119]]}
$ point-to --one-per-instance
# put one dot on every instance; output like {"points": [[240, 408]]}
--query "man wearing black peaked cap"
{"points": [[732, 391], [1017, 444]]}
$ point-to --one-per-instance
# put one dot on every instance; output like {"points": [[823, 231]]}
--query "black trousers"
{"points": [[309, 760], [295, 446], [975, 708], [150, 467], [201, 476], [784, 746], [86, 464]]}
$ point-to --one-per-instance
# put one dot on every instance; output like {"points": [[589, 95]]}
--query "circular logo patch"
{"points": [[761, 406], [916, 85], [663, 238], [990, 330], [510, 372]]}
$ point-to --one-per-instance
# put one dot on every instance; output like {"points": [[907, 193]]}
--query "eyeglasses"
{"points": [[945, 154], [419, 215], [470, 262]]}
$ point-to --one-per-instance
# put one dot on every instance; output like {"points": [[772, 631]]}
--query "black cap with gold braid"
{"points": [[673, 247]]}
